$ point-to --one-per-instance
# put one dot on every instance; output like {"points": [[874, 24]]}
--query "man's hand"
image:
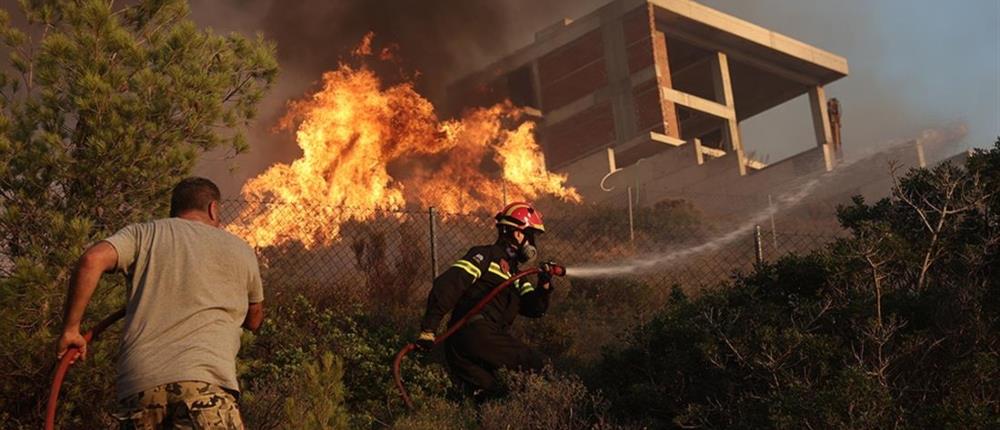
{"points": [[425, 342], [72, 339], [255, 316]]}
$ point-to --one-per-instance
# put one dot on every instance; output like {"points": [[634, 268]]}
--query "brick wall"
{"points": [[578, 70], [580, 134], [573, 71]]}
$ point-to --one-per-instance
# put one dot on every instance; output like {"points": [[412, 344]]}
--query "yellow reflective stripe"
{"points": [[526, 288], [468, 267], [496, 270]]}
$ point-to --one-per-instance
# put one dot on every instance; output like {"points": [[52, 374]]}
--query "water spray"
{"points": [[644, 264], [783, 201]]}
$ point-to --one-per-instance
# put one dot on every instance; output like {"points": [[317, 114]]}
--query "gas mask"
{"points": [[526, 250]]}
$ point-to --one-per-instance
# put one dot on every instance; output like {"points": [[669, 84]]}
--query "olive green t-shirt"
{"points": [[189, 286]]}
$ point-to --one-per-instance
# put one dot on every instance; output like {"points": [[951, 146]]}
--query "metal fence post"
{"points": [[432, 215], [774, 231], [758, 249], [631, 223]]}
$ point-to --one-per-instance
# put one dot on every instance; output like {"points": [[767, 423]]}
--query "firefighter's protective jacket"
{"points": [[471, 278]]}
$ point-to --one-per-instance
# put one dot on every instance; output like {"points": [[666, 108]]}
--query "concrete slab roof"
{"points": [[744, 41], [699, 25]]}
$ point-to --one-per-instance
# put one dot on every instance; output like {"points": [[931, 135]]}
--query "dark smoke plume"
{"points": [[437, 39], [440, 39]]}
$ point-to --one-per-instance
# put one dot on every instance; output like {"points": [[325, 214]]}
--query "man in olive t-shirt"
{"points": [[191, 287]]}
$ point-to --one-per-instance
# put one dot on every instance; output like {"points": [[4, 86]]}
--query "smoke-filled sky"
{"points": [[914, 63]]}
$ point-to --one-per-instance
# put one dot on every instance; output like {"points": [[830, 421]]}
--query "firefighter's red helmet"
{"points": [[522, 216]]}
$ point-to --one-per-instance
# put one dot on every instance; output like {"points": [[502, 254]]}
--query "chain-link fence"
{"points": [[359, 251]]}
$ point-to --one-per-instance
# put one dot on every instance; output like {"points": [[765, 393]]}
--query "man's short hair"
{"points": [[193, 193]]}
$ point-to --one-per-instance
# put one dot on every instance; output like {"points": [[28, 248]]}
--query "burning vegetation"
{"points": [[366, 144]]}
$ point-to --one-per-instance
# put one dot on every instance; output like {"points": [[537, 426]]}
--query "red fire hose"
{"points": [[547, 267], [67, 359]]}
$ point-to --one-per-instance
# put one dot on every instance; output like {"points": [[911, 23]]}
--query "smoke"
{"points": [[441, 39], [438, 39]]}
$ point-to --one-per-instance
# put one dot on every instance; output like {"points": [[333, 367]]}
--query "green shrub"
{"points": [[544, 401], [318, 401], [298, 331], [438, 414]]}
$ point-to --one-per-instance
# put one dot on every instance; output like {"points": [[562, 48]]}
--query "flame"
{"points": [[364, 48], [366, 146]]}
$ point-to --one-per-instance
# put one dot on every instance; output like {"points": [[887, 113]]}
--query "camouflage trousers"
{"points": [[180, 405]]}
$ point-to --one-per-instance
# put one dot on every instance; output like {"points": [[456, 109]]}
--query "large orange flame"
{"points": [[365, 146]]}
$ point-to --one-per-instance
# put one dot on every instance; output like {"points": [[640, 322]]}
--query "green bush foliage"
{"points": [[297, 332], [436, 413], [544, 401], [317, 403]]}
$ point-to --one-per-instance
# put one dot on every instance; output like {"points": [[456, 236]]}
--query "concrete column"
{"points": [[661, 60], [724, 95], [698, 155], [821, 125], [536, 83], [616, 63], [921, 159]]}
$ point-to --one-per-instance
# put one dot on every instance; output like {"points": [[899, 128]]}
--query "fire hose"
{"points": [[67, 360], [545, 267]]}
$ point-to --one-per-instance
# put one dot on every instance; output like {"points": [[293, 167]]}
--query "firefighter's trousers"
{"points": [[478, 350]]}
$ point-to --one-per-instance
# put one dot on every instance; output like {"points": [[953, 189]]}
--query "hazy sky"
{"points": [[914, 64]]}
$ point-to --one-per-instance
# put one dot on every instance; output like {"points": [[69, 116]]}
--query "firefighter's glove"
{"points": [[425, 342], [545, 276], [544, 279]]}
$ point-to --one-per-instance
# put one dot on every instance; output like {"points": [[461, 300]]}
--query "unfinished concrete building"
{"points": [[663, 81]]}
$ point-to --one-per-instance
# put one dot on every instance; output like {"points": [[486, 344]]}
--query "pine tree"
{"points": [[103, 108]]}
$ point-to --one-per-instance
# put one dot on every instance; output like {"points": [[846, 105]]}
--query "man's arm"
{"points": [[96, 260], [255, 296], [255, 316]]}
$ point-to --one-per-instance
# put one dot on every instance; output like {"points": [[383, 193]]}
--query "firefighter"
{"points": [[484, 345]]}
